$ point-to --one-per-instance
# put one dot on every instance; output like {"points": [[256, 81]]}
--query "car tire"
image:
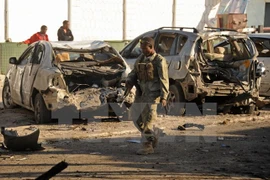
{"points": [[250, 109], [6, 97], [175, 97], [42, 114]]}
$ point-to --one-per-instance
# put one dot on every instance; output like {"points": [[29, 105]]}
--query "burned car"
{"points": [[211, 66], [51, 75]]}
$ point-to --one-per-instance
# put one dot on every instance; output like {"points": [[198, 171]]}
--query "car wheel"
{"points": [[6, 97], [175, 97], [250, 109], [244, 109], [42, 114]]}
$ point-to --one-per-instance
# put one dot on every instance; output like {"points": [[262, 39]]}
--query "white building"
{"points": [[115, 19]]}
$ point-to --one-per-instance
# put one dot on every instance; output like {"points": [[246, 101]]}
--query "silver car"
{"points": [[212, 66], [262, 43], [51, 75]]}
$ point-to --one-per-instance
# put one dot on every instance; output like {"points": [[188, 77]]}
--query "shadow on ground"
{"points": [[243, 154]]}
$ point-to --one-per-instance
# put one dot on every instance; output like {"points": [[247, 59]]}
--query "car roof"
{"points": [[191, 35], [203, 34], [208, 34], [77, 45], [260, 35]]}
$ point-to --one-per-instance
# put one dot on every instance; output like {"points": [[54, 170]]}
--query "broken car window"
{"points": [[226, 49], [27, 57], [165, 44], [262, 46], [133, 50], [136, 51], [37, 57], [181, 42]]}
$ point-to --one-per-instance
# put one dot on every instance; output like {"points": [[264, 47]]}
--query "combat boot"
{"points": [[146, 149], [155, 142]]}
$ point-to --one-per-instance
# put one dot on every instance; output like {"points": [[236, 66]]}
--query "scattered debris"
{"points": [[224, 145], [53, 171], [189, 125], [181, 128], [204, 150], [22, 159], [111, 120], [83, 129], [95, 153], [123, 146], [220, 138], [231, 152], [134, 141], [225, 122], [14, 141]]}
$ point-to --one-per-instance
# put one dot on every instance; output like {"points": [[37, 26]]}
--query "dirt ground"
{"points": [[229, 147]]}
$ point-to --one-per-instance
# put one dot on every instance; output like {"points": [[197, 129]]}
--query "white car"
{"points": [[262, 42], [213, 66], [51, 75]]}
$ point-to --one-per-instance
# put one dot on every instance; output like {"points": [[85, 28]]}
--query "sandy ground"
{"points": [[229, 147]]}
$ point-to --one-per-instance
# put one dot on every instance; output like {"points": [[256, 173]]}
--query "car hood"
{"points": [[79, 45]]}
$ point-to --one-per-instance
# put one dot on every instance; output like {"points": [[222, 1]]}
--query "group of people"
{"points": [[64, 34]]}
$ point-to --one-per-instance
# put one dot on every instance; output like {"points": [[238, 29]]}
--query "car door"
{"points": [[132, 51], [17, 75], [263, 47], [30, 72]]}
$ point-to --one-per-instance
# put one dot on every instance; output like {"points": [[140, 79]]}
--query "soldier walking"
{"points": [[150, 76]]}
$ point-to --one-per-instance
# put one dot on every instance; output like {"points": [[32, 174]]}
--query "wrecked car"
{"points": [[52, 75], [211, 66]]}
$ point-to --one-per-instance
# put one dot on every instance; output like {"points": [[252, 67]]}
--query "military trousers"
{"points": [[144, 114]]}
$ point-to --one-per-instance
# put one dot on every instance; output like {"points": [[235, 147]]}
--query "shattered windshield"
{"points": [[225, 48], [67, 55]]}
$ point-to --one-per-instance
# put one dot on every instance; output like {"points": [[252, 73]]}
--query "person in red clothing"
{"points": [[37, 36]]}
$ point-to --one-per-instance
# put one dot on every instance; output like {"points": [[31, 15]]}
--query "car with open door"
{"points": [[51, 75], [214, 65]]}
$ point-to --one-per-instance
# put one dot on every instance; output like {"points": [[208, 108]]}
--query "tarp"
{"points": [[233, 6]]}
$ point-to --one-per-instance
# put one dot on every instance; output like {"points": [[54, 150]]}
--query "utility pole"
{"points": [[124, 20], [69, 4], [174, 13], [6, 20]]}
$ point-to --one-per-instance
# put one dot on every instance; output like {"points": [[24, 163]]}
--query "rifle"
{"points": [[126, 93]]}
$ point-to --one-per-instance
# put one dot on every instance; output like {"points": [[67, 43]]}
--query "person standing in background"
{"points": [[64, 33], [37, 36]]}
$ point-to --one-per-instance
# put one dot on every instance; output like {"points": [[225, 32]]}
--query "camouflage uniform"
{"points": [[150, 74]]}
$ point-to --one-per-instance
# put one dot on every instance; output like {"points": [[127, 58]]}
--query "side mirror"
{"points": [[13, 60]]}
